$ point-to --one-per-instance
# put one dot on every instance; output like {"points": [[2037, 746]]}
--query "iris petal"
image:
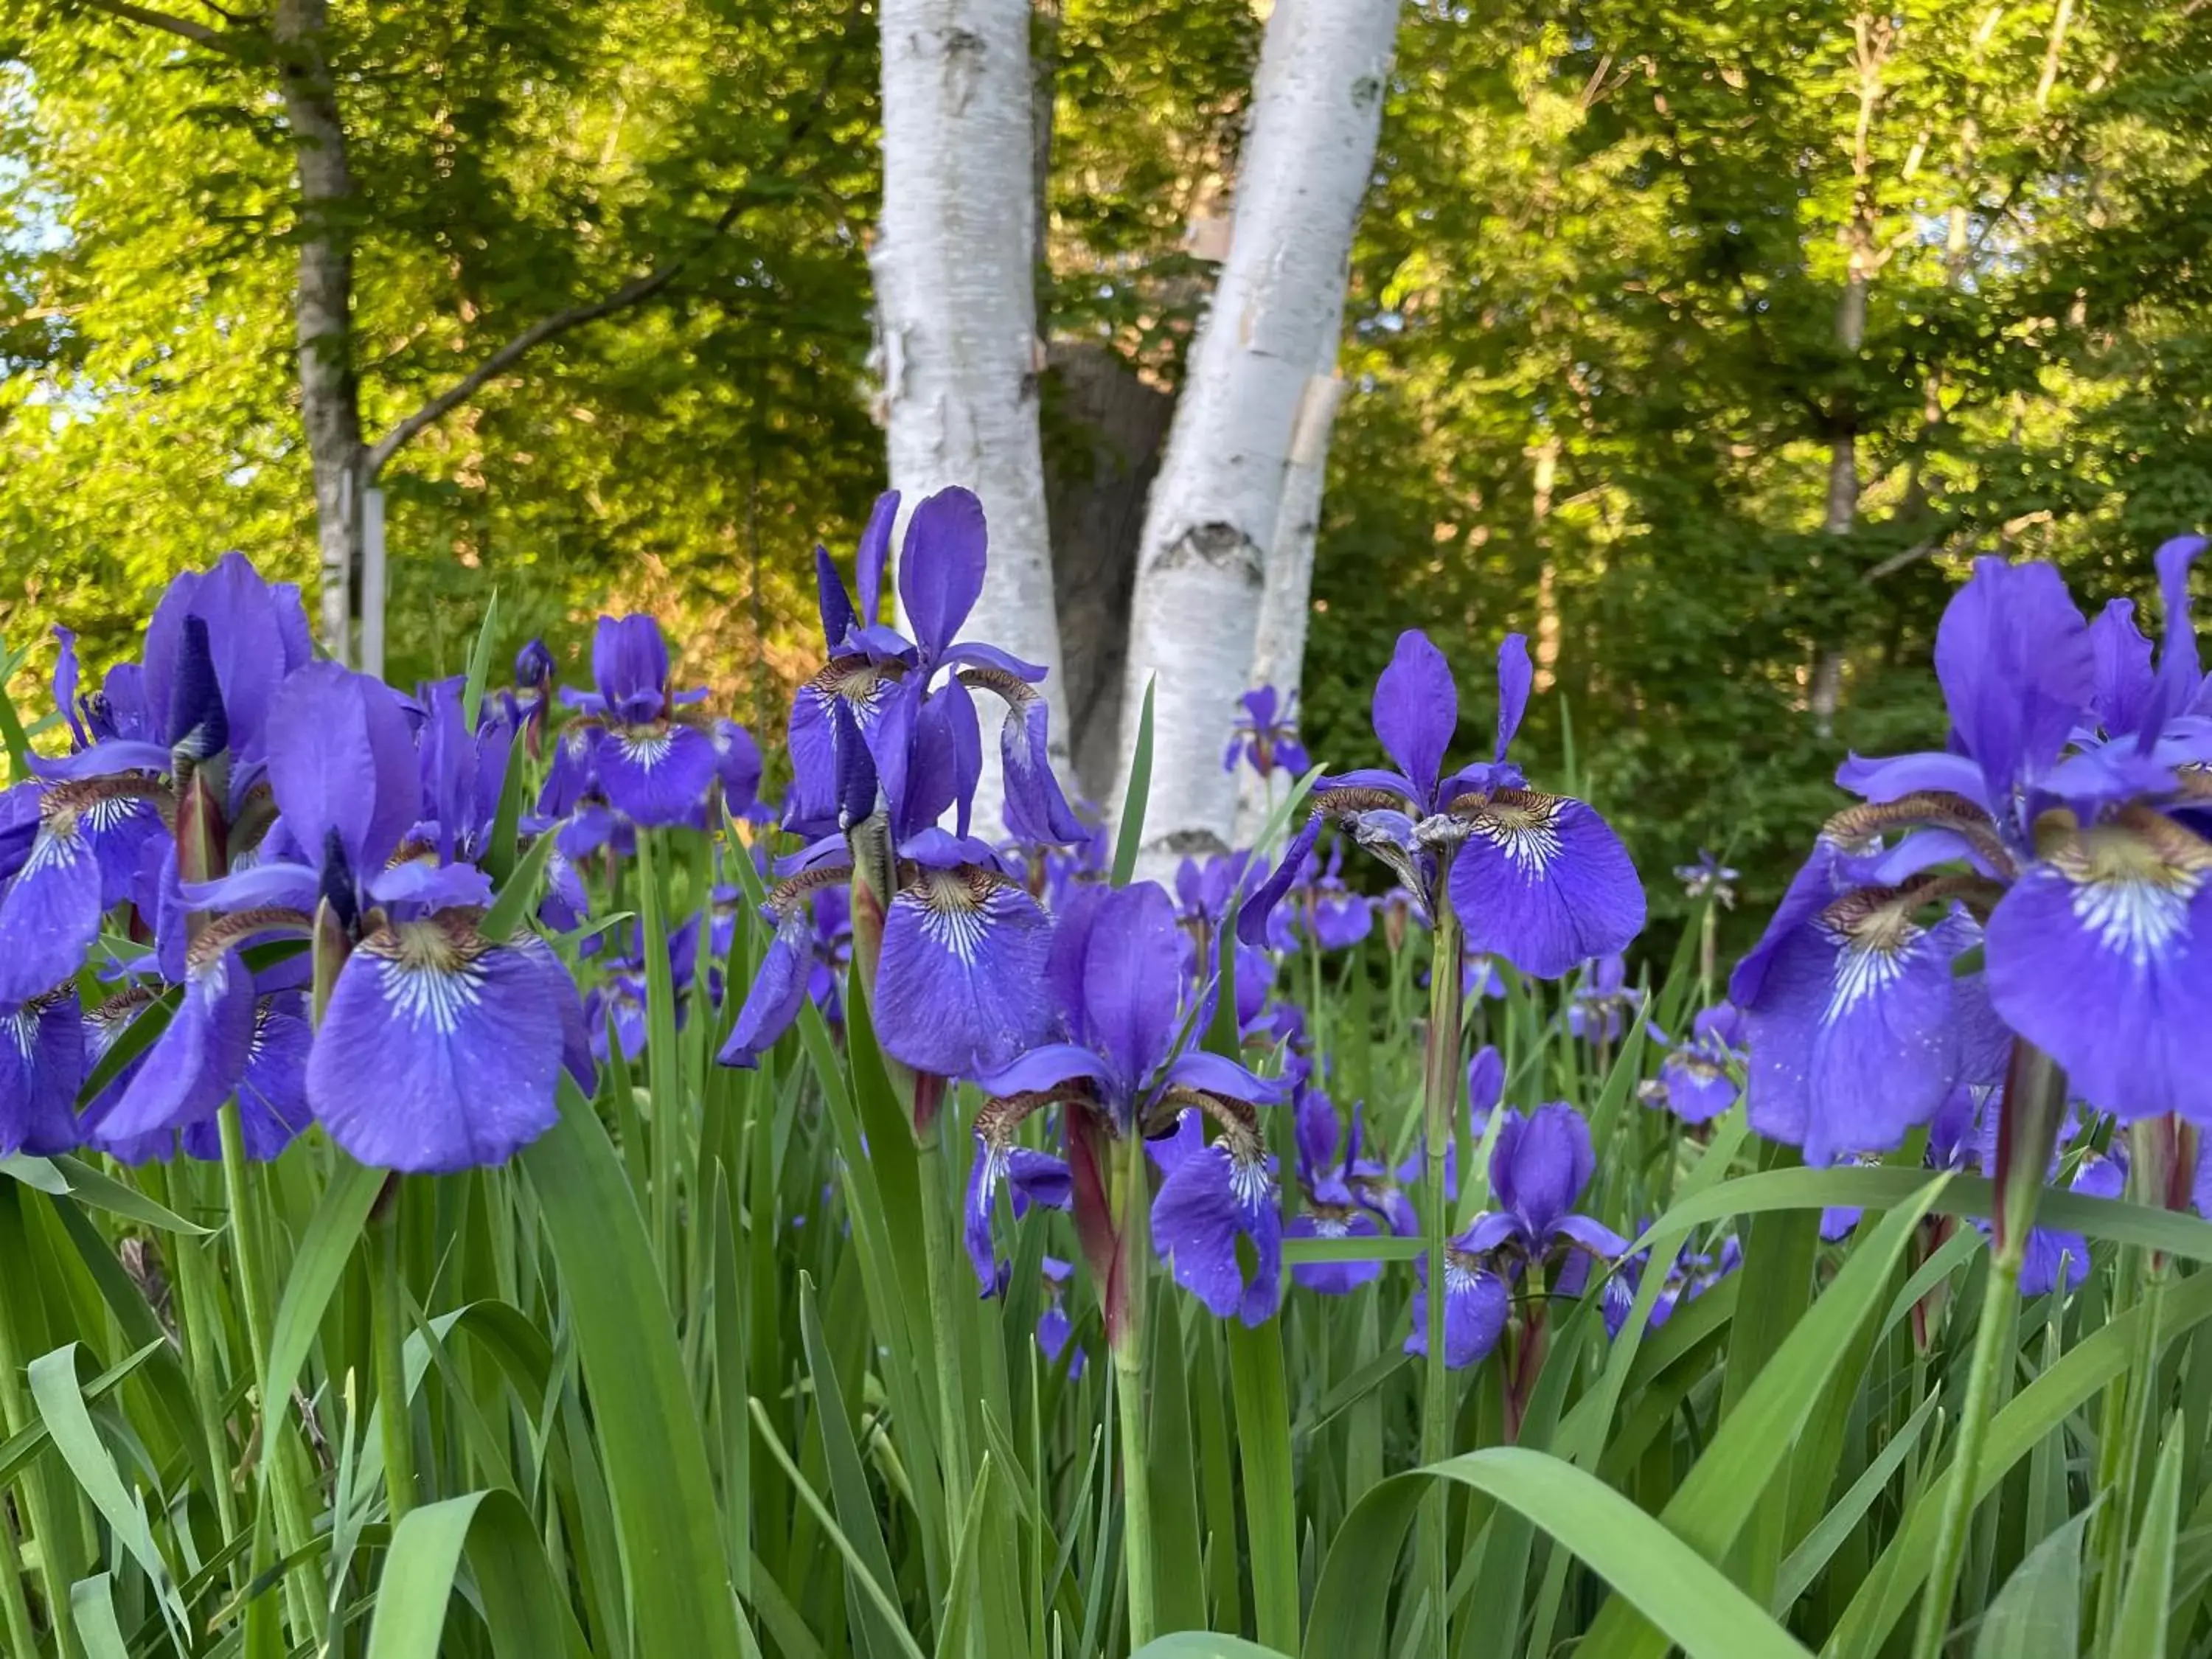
{"points": [[655, 774], [42, 1065], [960, 984], [1543, 882], [51, 914], [1207, 1203], [437, 1053]]}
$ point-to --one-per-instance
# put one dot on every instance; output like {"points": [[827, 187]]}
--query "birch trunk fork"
{"points": [[957, 307], [1211, 524]]}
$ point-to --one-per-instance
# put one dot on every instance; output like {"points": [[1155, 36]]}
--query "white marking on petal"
{"points": [[1331, 1226], [23, 1028], [1248, 1181], [429, 993], [1529, 837], [647, 750], [1864, 969], [54, 845], [105, 812], [1461, 1272], [2134, 917]]}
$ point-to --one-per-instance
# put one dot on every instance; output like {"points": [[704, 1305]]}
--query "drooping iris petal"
{"points": [[198, 1060], [1542, 881], [874, 555], [1699, 1087], [1029, 1177], [42, 1066], [655, 773], [1485, 1084], [2102, 958], [1416, 710], [2098, 1177], [272, 1090], [1852, 1032], [50, 914], [1475, 1306], [773, 999], [438, 1052], [1253, 915], [960, 984], [569, 777], [1036, 809], [1208, 1201], [737, 766], [940, 566]]}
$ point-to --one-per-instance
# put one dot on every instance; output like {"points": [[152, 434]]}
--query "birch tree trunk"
{"points": [[1279, 646], [1317, 103], [330, 399], [955, 306]]}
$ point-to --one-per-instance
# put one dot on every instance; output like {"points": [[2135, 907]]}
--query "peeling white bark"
{"points": [[1279, 647], [956, 307], [1211, 524]]}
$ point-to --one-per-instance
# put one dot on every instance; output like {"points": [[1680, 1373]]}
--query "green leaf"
{"points": [[849, 1481], [1129, 836], [2035, 1412], [473, 689], [960, 1599], [61, 1409], [18, 1449], [1666, 1581], [1263, 1444], [318, 1264], [1203, 1644], [16, 741], [1828, 1534], [103, 1192], [854, 1565], [2038, 1613], [518, 893], [1715, 1501], [654, 1452], [522, 1602], [36, 1172], [92, 1609], [1306, 1252], [2147, 1601]]}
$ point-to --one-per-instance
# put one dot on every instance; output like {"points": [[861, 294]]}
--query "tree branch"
{"points": [[198, 34], [633, 292]]}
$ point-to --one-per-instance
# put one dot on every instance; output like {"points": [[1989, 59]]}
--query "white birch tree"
{"points": [[957, 307], [1212, 521]]}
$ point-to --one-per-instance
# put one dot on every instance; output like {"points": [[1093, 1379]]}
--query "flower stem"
{"points": [[946, 1311], [663, 1078], [2120, 1438], [1440, 1087], [241, 1190], [388, 1330], [1135, 1245], [1993, 1347]]}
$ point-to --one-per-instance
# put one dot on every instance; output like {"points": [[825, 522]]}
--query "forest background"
{"points": [[1706, 343]]}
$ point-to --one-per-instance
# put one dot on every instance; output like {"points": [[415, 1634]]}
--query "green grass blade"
{"points": [[1663, 1577], [2147, 1600], [1827, 1535], [848, 1482], [472, 689], [2038, 1613], [104, 1192], [92, 1609], [653, 1451], [317, 1266], [960, 1599], [519, 892], [1129, 834], [1263, 1444], [523, 1608], [1716, 1499], [1203, 1644]]}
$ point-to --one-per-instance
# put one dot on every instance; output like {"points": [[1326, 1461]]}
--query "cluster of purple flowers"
{"points": [[2043, 879], [226, 799]]}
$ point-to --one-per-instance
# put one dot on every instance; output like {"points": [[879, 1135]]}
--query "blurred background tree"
{"points": [[1606, 380]]}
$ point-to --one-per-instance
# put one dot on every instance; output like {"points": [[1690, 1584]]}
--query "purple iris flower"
{"points": [[2058, 821], [1130, 1066], [651, 759], [177, 738], [1600, 1005], [921, 733], [272, 1086], [1539, 879], [1542, 1163], [885, 744], [462, 1037], [1708, 878], [2097, 1176], [1267, 735], [1331, 1209], [1696, 1080]]}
